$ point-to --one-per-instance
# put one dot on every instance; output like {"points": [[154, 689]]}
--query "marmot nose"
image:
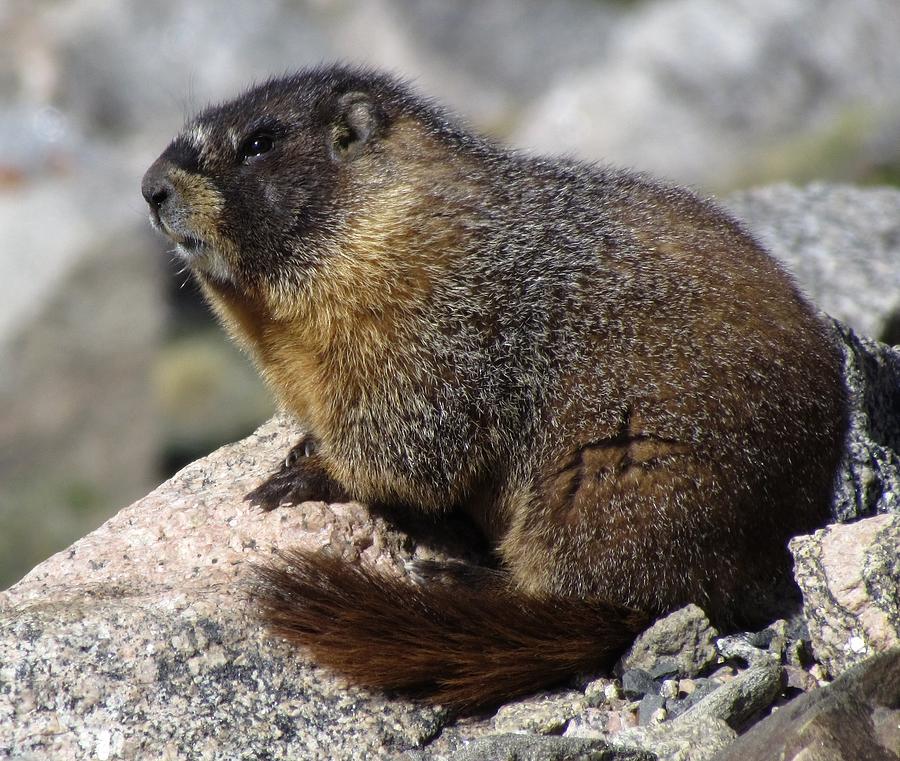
{"points": [[156, 186]]}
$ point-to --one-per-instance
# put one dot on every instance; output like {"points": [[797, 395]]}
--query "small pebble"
{"points": [[800, 679], [701, 688], [669, 689], [619, 720], [664, 667], [817, 671], [650, 705], [637, 683]]}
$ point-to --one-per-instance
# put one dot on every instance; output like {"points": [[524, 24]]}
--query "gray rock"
{"points": [[673, 741], [141, 640], [710, 725], [636, 683], [649, 709], [842, 243], [681, 644], [850, 579], [741, 647], [719, 93], [191, 684], [856, 717], [522, 748], [739, 699], [544, 714], [870, 481]]}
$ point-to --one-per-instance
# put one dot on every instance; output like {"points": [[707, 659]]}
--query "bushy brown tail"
{"points": [[444, 643]]}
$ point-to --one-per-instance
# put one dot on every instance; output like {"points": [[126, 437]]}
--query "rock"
{"points": [[870, 482], [850, 579], [710, 725], [545, 715], [718, 94], [597, 723], [681, 644], [636, 683], [521, 748], [141, 639], [839, 241], [741, 647], [669, 689], [736, 701], [652, 709], [671, 741], [856, 717]]}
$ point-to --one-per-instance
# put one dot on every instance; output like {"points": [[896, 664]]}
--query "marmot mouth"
{"points": [[190, 243]]}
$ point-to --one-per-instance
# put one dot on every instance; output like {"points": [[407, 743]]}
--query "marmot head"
{"points": [[248, 190]]}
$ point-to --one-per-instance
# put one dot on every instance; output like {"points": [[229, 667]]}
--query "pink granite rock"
{"points": [[850, 578]]}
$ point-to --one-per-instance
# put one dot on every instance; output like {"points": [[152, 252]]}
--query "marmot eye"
{"points": [[257, 144]]}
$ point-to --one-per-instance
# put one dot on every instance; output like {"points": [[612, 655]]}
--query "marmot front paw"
{"points": [[301, 478]]}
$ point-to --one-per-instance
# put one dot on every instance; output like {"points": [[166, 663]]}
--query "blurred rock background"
{"points": [[112, 374]]}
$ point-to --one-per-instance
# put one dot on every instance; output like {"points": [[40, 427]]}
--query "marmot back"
{"points": [[620, 386]]}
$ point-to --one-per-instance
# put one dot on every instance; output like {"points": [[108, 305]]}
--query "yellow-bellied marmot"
{"points": [[618, 384]]}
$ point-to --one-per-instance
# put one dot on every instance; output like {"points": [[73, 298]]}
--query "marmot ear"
{"points": [[356, 119]]}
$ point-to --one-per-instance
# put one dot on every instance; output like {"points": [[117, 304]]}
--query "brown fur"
{"points": [[458, 651], [610, 376]]}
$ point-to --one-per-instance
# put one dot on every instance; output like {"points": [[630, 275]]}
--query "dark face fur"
{"points": [[245, 184]]}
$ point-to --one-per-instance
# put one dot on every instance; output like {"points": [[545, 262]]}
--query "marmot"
{"points": [[626, 393]]}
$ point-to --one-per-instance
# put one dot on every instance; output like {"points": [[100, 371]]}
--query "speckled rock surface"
{"points": [[850, 578], [140, 640], [518, 748], [542, 715], [870, 481], [709, 726], [681, 644], [857, 717]]}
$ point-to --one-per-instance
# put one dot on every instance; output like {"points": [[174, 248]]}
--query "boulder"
{"points": [[850, 579], [857, 717], [726, 94], [839, 241], [141, 641]]}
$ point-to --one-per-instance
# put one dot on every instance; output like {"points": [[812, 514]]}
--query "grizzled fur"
{"points": [[608, 374]]}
